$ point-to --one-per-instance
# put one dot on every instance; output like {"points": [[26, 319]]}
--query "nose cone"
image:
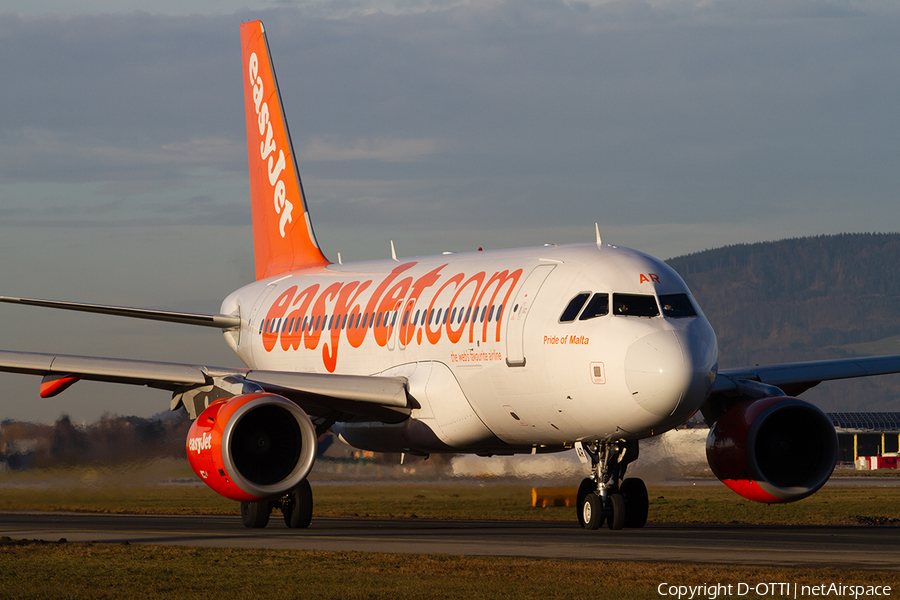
{"points": [[670, 371]]}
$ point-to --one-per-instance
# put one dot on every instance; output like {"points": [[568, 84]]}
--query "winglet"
{"points": [[283, 238], [597, 231]]}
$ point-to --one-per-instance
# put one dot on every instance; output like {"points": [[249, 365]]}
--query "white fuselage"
{"points": [[493, 363]]}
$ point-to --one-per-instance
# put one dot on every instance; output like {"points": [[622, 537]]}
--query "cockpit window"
{"points": [[677, 306], [635, 305], [575, 304], [597, 307]]}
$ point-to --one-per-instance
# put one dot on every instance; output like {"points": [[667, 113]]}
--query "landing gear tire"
{"points": [[588, 486], [591, 512], [298, 506], [637, 504], [255, 514], [615, 519]]}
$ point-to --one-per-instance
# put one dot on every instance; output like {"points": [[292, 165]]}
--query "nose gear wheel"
{"points": [[601, 498]]}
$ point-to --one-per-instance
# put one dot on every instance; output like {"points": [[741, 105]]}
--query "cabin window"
{"points": [[491, 314], [597, 307], [635, 305], [677, 306], [573, 307], [499, 311]]}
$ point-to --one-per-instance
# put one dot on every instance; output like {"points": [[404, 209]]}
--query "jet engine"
{"points": [[778, 449], [252, 447]]}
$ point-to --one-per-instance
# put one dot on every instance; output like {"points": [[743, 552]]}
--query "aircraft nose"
{"points": [[663, 367]]}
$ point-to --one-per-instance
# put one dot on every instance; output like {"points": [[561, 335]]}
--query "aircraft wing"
{"points": [[201, 319], [734, 385], [796, 378], [347, 396]]}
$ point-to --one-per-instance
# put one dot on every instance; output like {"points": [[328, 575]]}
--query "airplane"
{"points": [[588, 346]]}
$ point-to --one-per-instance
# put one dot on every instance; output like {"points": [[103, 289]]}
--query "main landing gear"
{"points": [[601, 497], [296, 506]]}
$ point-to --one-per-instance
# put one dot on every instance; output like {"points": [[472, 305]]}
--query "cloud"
{"points": [[50, 155], [445, 125], [381, 150]]}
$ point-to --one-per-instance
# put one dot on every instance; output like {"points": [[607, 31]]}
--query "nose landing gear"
{"points": [[601, 498]]}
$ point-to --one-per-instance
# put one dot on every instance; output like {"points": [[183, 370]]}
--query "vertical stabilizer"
{"points": [[283, 238]]}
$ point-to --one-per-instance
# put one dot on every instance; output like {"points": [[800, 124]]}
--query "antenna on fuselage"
{"points": [[393, 252], [340, 262], [597, 230]]}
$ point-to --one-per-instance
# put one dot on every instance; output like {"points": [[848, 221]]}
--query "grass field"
{"points": [[30, 570], [884, 346], [137, 489], [38, 570]]}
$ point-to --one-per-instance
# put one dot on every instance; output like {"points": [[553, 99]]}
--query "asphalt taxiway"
{"points": [[848, 547]]}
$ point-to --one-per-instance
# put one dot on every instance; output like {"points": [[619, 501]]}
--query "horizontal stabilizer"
{"points": [[203, 320]]}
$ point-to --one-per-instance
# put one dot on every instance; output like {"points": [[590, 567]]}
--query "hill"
{"points": [[805, 299]]}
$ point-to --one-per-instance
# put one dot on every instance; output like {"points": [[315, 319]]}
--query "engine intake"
{"points": [[252, 446], [772, 450]]}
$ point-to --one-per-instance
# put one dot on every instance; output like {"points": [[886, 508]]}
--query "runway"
{"points": [[805, 546]]}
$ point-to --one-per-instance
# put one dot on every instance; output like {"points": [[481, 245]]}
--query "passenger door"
{"points": [[515, 330]]}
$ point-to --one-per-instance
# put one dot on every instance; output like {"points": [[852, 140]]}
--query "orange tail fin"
{"points": [[283, 238]]}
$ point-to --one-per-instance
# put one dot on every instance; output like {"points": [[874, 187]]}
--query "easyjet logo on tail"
{"points": [[283, 238], [268, 148]]}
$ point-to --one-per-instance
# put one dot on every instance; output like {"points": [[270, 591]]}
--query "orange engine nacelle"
{"points": [[773, 450], [252, 447]]}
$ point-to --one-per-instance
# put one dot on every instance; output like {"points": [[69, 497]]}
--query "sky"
{"points": [[443, 125]]}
